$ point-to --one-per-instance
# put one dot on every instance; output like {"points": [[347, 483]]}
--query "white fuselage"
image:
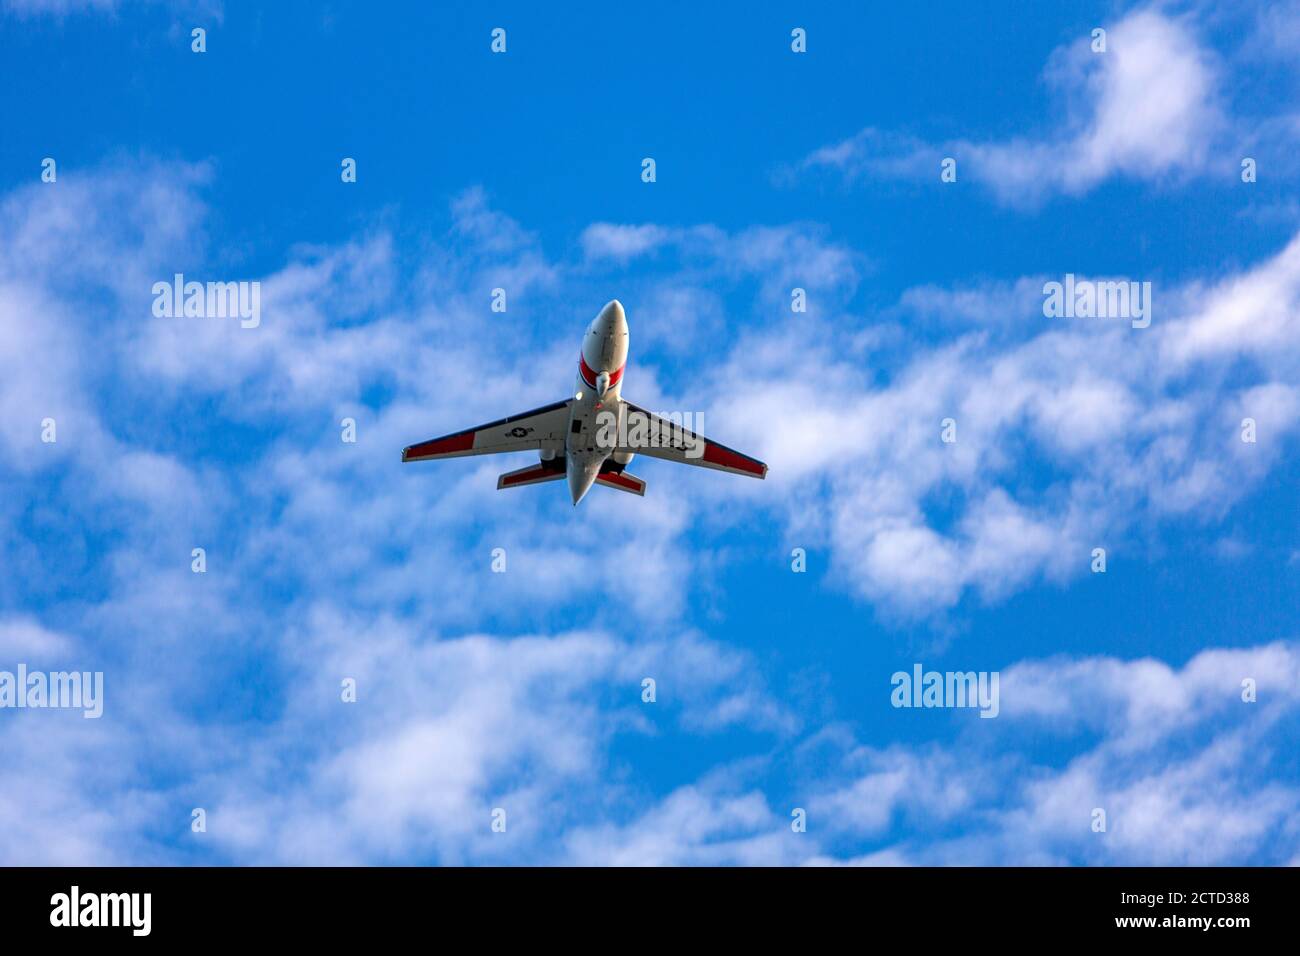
{"points": [[600, 379]]}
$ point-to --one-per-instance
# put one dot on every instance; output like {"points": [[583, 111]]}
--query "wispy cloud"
{"points": [[1149, 107], [1068, 433]]}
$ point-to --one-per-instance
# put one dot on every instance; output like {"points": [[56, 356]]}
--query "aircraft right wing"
{"points": [[674, 443], [526, 431]]}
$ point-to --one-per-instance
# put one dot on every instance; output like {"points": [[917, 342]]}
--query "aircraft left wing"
{"points": [[526, 431]]}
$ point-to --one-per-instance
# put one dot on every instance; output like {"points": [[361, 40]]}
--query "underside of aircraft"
{"points": [[590, 438]]}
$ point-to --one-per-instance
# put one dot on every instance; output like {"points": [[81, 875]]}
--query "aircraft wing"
{"points": [[674, 443], [523, 432]]}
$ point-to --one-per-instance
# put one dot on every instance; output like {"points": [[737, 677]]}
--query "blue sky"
{"points": [[521, 690]]}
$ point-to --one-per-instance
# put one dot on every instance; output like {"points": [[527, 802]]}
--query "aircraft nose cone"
{"points": [[612, 317]]}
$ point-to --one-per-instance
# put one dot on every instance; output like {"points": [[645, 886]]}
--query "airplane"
{"points": [[590, 438]]}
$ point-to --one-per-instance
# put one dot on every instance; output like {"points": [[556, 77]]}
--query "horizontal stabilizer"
{"points": [[623, 481], [532, 475]]}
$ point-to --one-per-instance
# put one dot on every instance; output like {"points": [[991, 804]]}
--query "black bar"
{"points": [[330, 906]]}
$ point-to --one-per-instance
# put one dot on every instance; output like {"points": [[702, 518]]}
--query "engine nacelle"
{"points": [[548, 454], [623, 457]]}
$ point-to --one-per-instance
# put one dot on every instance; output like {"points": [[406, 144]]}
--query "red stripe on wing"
{"points": [[614, 478], [719, 455], [529, 475], [441, 446]]}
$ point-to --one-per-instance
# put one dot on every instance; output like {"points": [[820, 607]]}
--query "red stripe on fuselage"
{"points": [[589, 375]]}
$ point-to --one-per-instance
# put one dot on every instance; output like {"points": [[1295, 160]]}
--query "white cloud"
{"points": [[1186, 772], [1184, 769], [445, 730], [59, 8], [926, 788], [1251, 314], [1069, 433], [606, 240], [1147, 108], [693, 826], [25, 639]]}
